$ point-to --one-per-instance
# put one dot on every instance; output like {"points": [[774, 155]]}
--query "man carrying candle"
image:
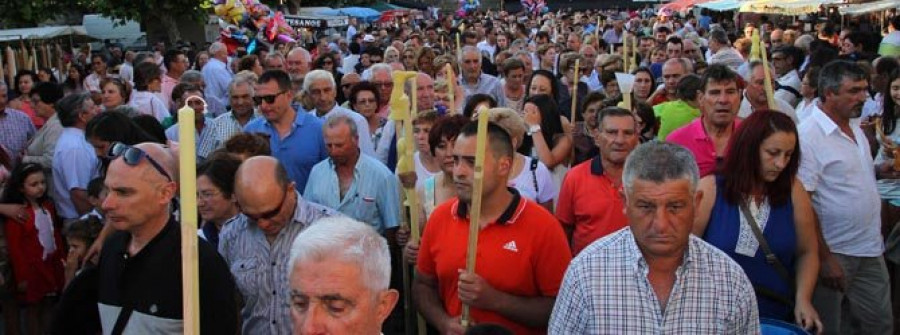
{"points": [[139, 274], [522, 251]]}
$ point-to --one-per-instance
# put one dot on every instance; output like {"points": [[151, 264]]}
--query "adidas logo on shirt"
{"points": [[511, 246]]}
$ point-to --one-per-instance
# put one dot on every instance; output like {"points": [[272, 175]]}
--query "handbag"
{"points": [[771, 259]]}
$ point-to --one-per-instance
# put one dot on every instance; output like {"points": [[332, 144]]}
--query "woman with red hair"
{"points": [[754, 208]]}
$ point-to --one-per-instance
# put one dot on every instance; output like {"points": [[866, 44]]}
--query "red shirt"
{"points": [[523, 253], [43, 276], [589, 201], [659, 98]]}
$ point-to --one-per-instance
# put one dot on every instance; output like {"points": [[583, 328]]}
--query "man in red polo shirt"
{"points": [[521, 257], [590, 202], [707, 137]]}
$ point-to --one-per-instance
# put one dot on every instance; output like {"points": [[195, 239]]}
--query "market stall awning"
{"points": [[863, 8], [785, 7], [682, 5], [363, 13], [40, 33], [721, 5]]}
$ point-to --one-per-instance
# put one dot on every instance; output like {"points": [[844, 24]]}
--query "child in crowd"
{"points": [[80, 236], [35, 245], [96, 192], [76, 312]]}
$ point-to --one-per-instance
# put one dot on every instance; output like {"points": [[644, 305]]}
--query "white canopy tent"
{"points": [[869, 7], [40, 33]]}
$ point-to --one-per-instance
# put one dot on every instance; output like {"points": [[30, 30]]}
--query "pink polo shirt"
{"points": [[693, 136]]}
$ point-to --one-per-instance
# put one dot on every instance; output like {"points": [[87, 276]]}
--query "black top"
{"points": [[150, 284]]}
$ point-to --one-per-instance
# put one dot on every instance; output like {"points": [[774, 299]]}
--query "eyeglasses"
{"points": [[270, 214], [132, 156], [269, 99]]}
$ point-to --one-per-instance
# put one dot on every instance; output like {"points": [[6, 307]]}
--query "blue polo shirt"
{"points": [[300, 150]]}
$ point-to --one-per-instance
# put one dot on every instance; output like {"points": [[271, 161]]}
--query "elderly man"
{"points": [[853, 291], [347, 82], [672, 71], [654, 277], [522, 251], [320, 87], [295, 138], [74, 160], [222, 128], [354, 184], [297, 62], [776, 39], [385, 150], [217, 75], [274, 61], [16, 128], [755, 95], [473, 81], [140, 265], [707, 137], [256, 243], [721, 51], [590, 205], [340, 262]]}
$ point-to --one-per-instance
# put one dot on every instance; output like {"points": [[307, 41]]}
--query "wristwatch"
{"points": [[534, 129]]}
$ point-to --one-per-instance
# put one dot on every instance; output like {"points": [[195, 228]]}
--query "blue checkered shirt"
{"points": [[606, 291], [15, 131], [221, 129]]}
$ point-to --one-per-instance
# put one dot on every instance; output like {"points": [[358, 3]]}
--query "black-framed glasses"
{"points": [[132, 156], [270, 214], [269, 99]]}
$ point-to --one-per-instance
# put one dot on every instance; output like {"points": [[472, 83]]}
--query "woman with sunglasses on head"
{"points": [[755, 208], [216, 203]]}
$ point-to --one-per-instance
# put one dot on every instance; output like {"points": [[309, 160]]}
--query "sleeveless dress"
{"points": [[732, 234]]}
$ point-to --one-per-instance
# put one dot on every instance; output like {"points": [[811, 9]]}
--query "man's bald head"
{"points": [[161, 155], [261, 172]]}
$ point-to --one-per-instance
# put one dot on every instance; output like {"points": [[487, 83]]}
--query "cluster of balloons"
{"points": [[467, 6], [536, 7], [246, 23]]}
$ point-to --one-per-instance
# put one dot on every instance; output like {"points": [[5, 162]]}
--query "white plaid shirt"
{"points": [[221, 129], [606, 291]]}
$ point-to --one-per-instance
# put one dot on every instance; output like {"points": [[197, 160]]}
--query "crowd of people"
{"points": [[698, 203]]}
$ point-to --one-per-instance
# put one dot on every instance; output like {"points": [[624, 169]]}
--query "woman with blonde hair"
{"points": [[532, 178]]}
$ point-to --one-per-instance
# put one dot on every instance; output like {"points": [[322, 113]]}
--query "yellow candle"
{"points": [[475, 211], [451, 87], [187, 161], [625, 51], [769, 91]]}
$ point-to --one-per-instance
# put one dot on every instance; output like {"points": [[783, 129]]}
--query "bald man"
{"points": [[256, 243], [139, 274]]}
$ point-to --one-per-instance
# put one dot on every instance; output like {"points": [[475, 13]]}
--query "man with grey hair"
{"points": [[193, 77], [345, 263], [721, 52], [274, 61], [354, 184], [217, 76], [222, 128], [256, 243], [755, 97], [74, 161], [473, 81], [320, 87], [381, 76], [297, 63], [853, 292], [653, 276]]}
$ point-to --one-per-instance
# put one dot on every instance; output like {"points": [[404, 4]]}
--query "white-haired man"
{"points": [[319, 86], [297, 63], [217, 76], [652, 277], [473, 80], [340, 269]]}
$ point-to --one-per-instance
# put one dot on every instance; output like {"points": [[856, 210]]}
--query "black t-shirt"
{"points": [[149, 283]]}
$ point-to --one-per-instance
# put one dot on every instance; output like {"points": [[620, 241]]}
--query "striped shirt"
{"points": [[261, 269], [221, 129], [15, 131], [606, 291]]}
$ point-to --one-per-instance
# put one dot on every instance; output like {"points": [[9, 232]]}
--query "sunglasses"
{"points": [[270, 214], [132, 156], [269, 99]]}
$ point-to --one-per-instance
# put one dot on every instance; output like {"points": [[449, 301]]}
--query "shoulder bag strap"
{"points": [[770, 256], [122, 320], [534, 166]]}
